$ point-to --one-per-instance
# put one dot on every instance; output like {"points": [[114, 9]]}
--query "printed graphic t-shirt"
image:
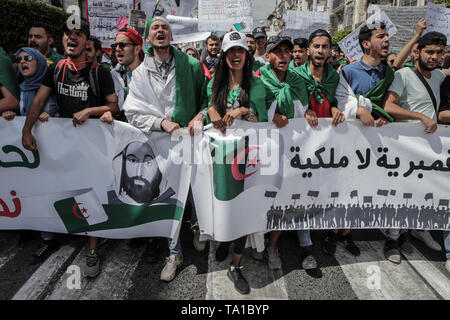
{"points": [[75, 93]]}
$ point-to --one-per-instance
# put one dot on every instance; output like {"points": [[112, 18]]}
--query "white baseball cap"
{"points": [[234, 39]]}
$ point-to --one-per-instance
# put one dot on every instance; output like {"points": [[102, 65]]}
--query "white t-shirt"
{"points": [[261, 59], [413, 94]]}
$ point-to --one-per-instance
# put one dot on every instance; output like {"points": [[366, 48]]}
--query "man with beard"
{"points": [[40, 37], [129, 54], [261, 41], [299, 53], [251, 43], [363, 84], [140, 178], [79, 99], [321, 81], [212, 51], [409, 100], [160, 99]]}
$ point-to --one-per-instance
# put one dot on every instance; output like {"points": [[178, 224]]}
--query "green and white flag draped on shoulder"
{"points": [[289, 98], [184, 93], [257, 98]]}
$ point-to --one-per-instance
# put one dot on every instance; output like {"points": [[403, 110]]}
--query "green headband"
{"points": [[149, 23]]}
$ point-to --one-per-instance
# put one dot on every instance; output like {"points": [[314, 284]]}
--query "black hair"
{"points": [[365, 33], [221, 84], [97, 43], [319, 33], [45, 26], [250, 35], [212, 37], [432, 38], [301, 42], [336, 47]]}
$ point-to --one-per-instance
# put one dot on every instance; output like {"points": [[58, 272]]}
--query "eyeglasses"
{"points": [[26, 58], [121, 45]]}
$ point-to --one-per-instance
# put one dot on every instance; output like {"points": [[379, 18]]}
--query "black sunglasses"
{"points": [[26, 58], [121, 45]]}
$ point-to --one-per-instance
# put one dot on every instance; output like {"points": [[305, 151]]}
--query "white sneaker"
{"points": [[426, 237], [170, 268], [274, 258], [447, 265], [198, 245]]}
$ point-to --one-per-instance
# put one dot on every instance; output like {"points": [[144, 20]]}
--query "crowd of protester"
{"points": [[240, 76]]}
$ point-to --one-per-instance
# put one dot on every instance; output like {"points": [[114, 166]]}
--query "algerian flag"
{"points": [[239, 26], [238, 166], [81, 211]]}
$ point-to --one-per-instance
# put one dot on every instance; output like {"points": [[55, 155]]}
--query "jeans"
{"points": [[175, 249], [447, 243], [304, 238], [395, 233]]}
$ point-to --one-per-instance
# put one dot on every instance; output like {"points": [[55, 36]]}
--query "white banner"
{"points": [[103, 15], [216, 15], [96, 179], [350, 44], [297, 177], [438, 18], [300, 24]]}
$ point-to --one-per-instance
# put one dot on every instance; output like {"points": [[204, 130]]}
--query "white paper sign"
{"points": [[216, 15], [350, 44], [303, 23], [438, 18]]}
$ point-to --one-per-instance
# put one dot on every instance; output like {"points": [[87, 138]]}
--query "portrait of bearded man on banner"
{"points": [[138, 178]]}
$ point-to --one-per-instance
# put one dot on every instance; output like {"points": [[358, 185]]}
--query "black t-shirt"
{"points": [[75, 93]]}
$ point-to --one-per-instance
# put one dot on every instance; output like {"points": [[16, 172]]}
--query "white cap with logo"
{"points": [[234, 39]]}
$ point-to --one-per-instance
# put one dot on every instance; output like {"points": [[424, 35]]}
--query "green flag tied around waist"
{"points": [[330, 80], [189, 86], [376, 95], [293, 88], [7, 76]]}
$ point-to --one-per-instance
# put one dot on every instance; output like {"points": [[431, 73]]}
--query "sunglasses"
{"points": [[121, 45], [26, 58]]}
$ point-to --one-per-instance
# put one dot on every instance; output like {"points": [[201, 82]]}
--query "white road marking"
{"points": [[118, 263], [40, 279], [264, 283], [397, 282], [435, 278]]}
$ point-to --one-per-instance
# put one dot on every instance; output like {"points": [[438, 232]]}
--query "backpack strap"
{"points": [[427, 86], [57, 71], [93, 79]]}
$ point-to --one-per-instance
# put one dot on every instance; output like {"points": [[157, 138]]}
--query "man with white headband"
{"points": [[165, 94]]}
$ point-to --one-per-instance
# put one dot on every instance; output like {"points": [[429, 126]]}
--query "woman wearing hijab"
{"points": [[234, 93], [32, 66]]}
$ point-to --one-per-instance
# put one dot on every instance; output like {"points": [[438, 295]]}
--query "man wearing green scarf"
{"points": [[166, 93], [9, 90], [287, 97], [363, 84], [321, 80]]}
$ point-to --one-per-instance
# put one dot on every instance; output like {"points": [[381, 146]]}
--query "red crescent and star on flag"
{"points": [[237, 175], [83, 210]]}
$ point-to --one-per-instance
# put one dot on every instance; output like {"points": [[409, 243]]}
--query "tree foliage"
{"points": [[19, 15], [339, 35]]}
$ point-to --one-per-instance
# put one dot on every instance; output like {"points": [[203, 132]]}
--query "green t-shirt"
{"points": [[257, 98]]}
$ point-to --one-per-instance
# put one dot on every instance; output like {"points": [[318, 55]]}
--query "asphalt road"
{"points": [[126, 274]]}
